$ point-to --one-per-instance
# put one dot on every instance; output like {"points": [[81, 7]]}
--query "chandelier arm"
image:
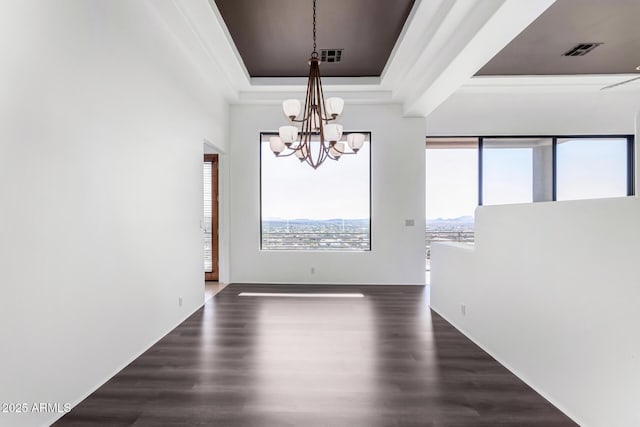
{"points": [[309, 157], [302, 120], [306, 114], [306, 141], [312, 110], [328, 153], [286, 155], [312, 95], [303, 138], [343, 152], [321, 100], [307, 153], [310, 123], [310, 161], [305, 111], [306, 117], [322, 154]]}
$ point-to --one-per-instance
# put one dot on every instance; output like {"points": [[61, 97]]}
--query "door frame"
{"points": [[214, 275]]}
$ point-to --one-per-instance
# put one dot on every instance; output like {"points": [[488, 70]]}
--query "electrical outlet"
{"points": [[463, 309], [409, 222], [179, 301], [313, 270]]}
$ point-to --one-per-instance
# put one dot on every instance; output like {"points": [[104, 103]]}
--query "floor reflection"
{"points": [[313, 356], [381, 360]]}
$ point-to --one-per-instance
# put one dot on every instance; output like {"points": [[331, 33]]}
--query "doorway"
{"points": [[210, 226]]}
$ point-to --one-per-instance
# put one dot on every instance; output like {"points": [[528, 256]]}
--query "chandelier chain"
{"points": [[313, 125], [314, 27]]}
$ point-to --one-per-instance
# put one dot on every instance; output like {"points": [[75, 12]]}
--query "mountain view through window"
{"points": [[326, 209]]}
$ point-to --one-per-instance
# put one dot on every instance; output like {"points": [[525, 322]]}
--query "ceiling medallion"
{"points": [[314, 122]]}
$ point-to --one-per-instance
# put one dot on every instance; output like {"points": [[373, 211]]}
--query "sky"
{"points": [[294, 190], [586, 169], [600, 163], [508, 176], [452, 182]]}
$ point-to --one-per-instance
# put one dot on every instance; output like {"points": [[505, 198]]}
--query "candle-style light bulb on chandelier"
{"points": [[316, 115]]}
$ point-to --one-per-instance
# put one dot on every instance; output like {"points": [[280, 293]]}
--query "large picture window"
{"points": [[592, 168], [516, 170], [507, 175], [525, 169], [451, 190], [326, 209]]}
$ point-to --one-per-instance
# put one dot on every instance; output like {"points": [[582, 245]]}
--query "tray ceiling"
{"points": [[274, 38], [539, 49]]}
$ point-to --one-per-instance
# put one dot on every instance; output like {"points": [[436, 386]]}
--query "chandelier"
{"points": [[314, 123]]}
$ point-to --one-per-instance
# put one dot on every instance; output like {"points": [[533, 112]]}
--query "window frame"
{"points": [[630, 152], [268, 134], [631, 191]]}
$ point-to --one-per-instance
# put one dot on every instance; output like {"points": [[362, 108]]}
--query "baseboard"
{"points": [[56, 417], [326, 283], [514, 371]]}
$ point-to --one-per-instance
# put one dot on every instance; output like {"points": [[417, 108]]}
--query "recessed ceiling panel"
{"points": [[275, 39], [602, 35]]}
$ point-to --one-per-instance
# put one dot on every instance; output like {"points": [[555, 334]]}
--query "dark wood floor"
{"points": [[382, 360]]}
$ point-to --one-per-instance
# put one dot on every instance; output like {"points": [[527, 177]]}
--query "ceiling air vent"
{"points": [[331, 55], [581, 49]]}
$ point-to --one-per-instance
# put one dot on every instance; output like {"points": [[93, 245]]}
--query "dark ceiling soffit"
{"points": [[366, 30]]}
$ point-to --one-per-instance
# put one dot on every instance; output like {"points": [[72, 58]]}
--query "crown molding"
{"points": [[351, 97], [344, 83], [201, 34]]}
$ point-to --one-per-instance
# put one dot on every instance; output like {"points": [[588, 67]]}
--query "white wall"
{"points": [[397, 187], [551, 291], [550, 288], [527, 113], [101, 132]]}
